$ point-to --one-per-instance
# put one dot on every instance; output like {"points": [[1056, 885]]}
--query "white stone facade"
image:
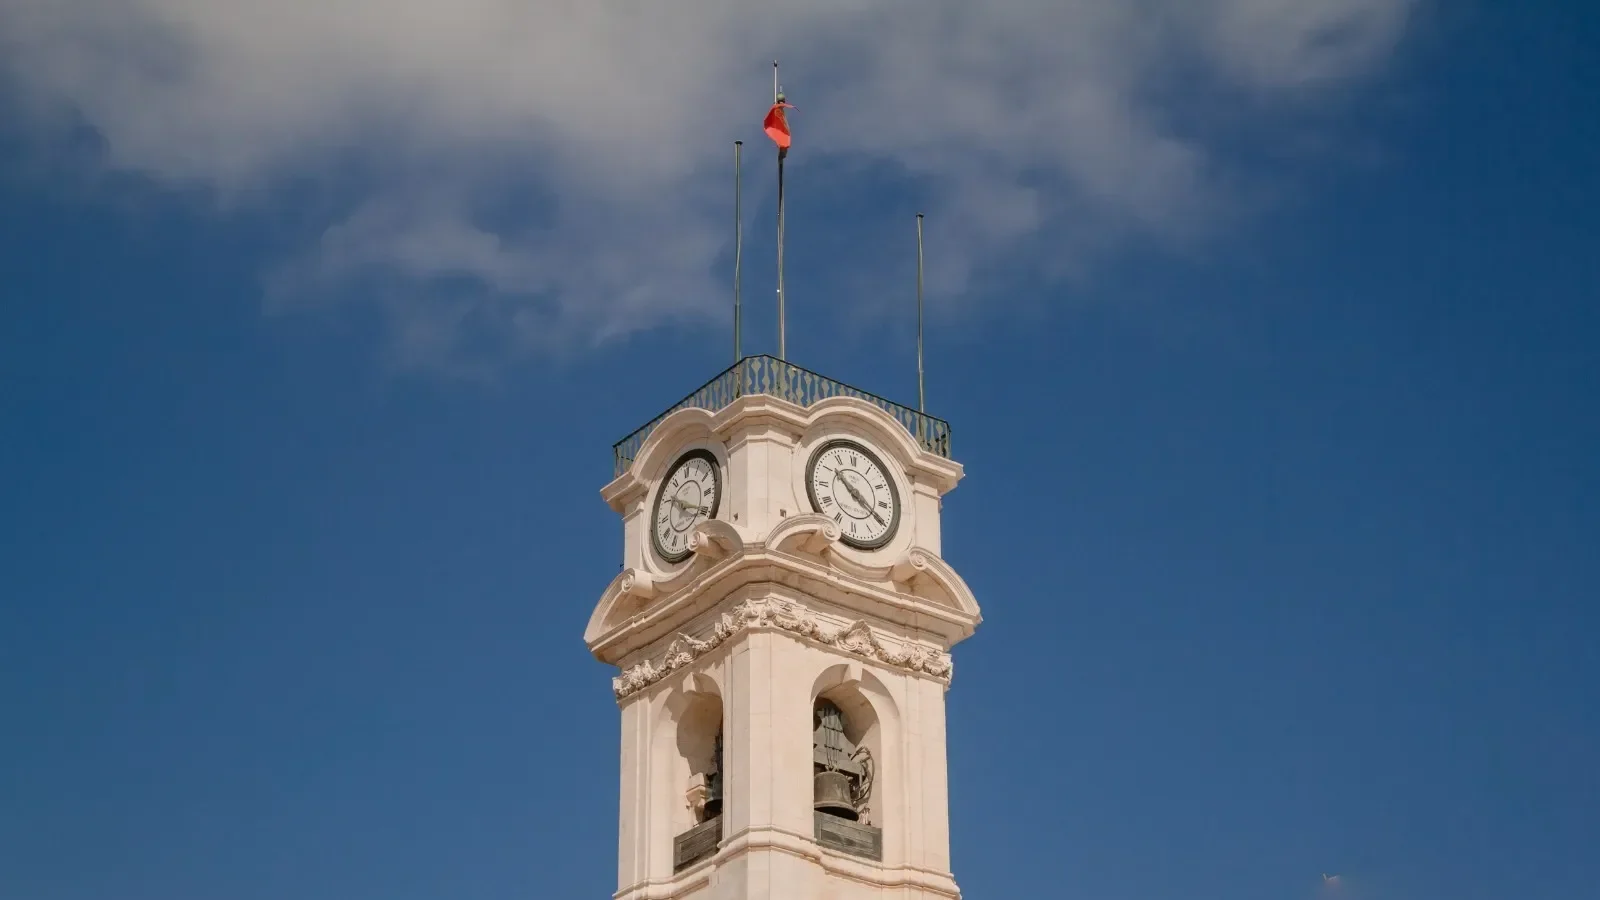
{"points": [[770, 612]]}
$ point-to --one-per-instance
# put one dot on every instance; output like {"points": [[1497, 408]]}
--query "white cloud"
{"points": [[1069, 121]]}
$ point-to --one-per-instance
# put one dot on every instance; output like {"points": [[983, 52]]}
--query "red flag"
{"points": [[777, 125]]}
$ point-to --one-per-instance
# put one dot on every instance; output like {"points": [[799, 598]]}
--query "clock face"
{"points": [[849, 484], [689, 496]]}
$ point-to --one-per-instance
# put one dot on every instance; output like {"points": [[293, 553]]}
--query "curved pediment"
{"points": [[658, 452], [920, 590], [930, 577], [617, 603], [917, 571], [887, 432], [634, 589], [715, 539], [629, 594], [844, 415], [810, 533]]}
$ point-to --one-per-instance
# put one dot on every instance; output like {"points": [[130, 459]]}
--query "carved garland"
{"points": [[856, 638]]}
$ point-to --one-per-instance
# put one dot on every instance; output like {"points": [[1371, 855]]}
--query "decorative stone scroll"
{"points": [[856, 638]]}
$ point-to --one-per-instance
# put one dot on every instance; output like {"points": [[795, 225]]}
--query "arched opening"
{"points": [[694, 779], [700, 757], [842, 768], [846, 747]]}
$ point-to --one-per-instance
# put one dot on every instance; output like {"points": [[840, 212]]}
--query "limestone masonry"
{"points": [[782, 626]]}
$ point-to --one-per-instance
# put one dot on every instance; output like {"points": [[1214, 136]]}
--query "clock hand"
{"points": [[863, 501], [852, 490]]}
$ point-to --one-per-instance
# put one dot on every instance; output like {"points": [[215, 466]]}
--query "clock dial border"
{"points": [[888, 478], [684, 459]]}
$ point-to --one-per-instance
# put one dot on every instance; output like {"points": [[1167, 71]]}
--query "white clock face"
{"points": [[689, 496], [849, 484]]}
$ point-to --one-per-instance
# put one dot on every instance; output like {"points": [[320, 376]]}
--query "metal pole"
{"points": [[922, 403], [783, 346], [738, 246]]}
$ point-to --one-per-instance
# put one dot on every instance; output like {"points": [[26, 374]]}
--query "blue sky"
{"points": [[1283, 326]]}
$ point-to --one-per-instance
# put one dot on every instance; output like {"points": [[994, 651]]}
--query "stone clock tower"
{"points": [[782, 624]]}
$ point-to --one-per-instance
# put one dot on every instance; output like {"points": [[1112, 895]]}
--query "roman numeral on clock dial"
{"points": [[850, 483], [690, 494]]}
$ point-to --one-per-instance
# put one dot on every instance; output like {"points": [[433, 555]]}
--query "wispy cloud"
{"points": [[1022, 120]]}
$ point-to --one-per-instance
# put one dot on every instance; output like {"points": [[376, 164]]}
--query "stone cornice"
{"points": [[782, 840], [628, 622], [917, 590], [765, 410], [771, 613]]}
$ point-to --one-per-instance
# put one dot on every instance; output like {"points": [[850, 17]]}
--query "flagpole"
{"points": [[738, 246], [922, 404], [782, 346]]}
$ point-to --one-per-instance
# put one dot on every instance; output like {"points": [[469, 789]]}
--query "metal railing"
{"points": [[786, 381]]}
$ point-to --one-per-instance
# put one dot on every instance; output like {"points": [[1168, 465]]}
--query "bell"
{"points": [[713, 796], [714, 781], [831, 791]]}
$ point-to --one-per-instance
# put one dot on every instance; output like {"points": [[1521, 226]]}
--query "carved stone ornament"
{"points": [[856, 638]]}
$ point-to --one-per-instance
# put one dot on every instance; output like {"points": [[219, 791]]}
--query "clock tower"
{"points": [[782, 626]]}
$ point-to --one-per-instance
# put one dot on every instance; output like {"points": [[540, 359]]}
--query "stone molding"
{"points": [[766, 410], [856, 638], [923, 882], [803, 546]]}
